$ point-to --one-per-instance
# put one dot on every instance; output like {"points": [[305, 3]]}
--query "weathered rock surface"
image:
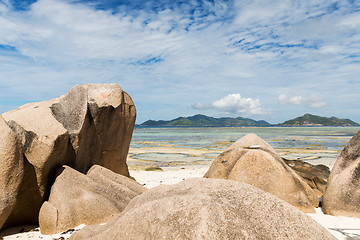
{"points": [[315, 176], [11, 170], [342, 194], [89, 199], [91, 124], [207, 209], [252, 160]]}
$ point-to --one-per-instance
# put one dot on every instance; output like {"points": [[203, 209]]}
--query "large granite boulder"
{"points": [[91, 124], [94, 198], [342, 194], [254, 161], [11, 170], [207, 209]]}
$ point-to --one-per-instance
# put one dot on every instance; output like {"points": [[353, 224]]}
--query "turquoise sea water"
{"points": [[291, 142]]}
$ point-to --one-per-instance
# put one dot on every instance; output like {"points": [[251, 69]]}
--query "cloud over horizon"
{"points": [[235, 104], [313, 101]]}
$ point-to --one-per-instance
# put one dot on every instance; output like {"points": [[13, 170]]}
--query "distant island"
{"points": [[206, 121], [313, 120], [202, 120]]}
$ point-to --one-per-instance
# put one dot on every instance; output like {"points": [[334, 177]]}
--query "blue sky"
{"points": [[263, 59]]}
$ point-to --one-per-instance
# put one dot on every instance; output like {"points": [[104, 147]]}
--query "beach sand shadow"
{"points": [[18, 229], [348, 233]]}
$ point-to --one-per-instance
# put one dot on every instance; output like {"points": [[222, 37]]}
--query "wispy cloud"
{"points": [[235, 104], [313, 100]]}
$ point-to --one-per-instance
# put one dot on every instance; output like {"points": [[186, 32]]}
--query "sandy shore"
{"points": [[341, 227], [169, 175]]}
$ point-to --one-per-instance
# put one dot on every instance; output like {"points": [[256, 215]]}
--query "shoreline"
{"points": [[171, 157], [138, 126]]}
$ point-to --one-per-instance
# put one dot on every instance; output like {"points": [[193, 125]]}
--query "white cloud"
{"points": [[197, 48], [202, 106], [4, 6], [235, 104], [313, 101], [352, 20], [331, 49]]}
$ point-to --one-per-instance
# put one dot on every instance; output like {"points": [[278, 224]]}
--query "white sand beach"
{"points": [[343, 228]]}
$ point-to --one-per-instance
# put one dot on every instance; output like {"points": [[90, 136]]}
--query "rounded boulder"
{"points": [[207, 209]]}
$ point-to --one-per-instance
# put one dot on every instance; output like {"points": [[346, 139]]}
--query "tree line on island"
{"points": [[206, 121]]}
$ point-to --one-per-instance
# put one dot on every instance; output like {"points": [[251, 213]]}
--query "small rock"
{"points": [[254, 147], [68, 231], [154, 169]]}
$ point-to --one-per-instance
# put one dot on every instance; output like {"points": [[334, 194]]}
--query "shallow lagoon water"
{"points": [[176, 145], [161, 158]]}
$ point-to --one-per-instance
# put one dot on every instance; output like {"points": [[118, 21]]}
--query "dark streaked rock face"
{"points": [[342, 195], [314, 175], [91, 124], [207, 209], [254, 161]]}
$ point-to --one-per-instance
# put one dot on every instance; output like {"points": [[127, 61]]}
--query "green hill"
{"points": [[205, 121], [313, 120]]}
